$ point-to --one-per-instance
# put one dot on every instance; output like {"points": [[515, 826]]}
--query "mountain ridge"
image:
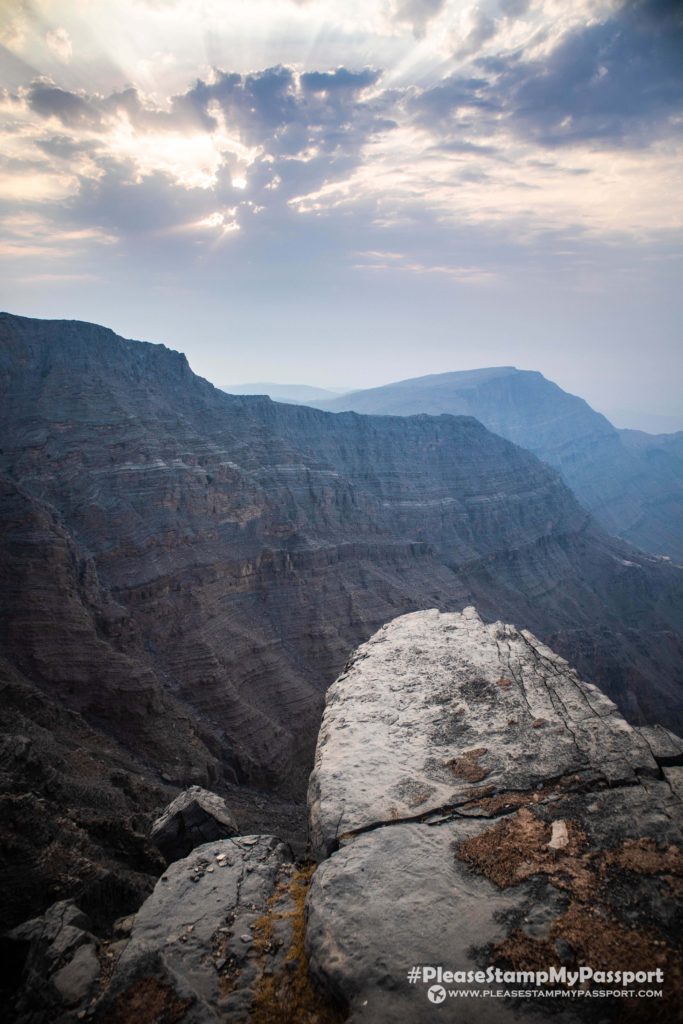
{"points": [[634, 490]]}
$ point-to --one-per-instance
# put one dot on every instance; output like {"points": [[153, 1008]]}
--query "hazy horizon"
{"points": [[628, 419], [359, 192]]}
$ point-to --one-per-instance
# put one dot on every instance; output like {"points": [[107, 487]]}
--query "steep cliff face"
{"points": [[635, 490], [187, 570], [477, 806], [245, 546]]}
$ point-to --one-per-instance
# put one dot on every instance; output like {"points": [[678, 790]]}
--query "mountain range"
{"points": [[186, 571], [630, 481]]}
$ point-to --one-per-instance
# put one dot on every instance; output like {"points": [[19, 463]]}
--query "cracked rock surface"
{"points": [[191, 955], [474, 803], [60, 967]]}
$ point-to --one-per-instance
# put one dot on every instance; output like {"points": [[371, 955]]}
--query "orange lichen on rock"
{"points": [[467, 765], [517, 848], [289, 996], [643, 857]]}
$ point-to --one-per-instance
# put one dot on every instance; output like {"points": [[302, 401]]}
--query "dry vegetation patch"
{"points": [[148, 1001], [288, 996], [518, 848]]}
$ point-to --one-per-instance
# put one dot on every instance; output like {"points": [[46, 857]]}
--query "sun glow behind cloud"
{"points": [[488, 175], [453, 144]]}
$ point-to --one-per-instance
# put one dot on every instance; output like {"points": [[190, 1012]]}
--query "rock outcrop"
{"points": [[194, 942], [195, 817], [474, 804], [220, 939], [60, 963], [185, 571]]}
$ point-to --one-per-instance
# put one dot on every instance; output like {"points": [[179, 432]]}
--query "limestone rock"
{"points": [[60, 963], [475, 804], [195, 817], [436, 708], [195, 944]]}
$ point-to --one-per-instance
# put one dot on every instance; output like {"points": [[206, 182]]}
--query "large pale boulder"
{"points": [[475, 804]]}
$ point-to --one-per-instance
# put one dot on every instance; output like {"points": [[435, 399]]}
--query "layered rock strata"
{"points": [[630, 481], [185, 571]]}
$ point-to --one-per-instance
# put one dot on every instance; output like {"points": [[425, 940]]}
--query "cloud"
{"points": [[611, 83], [230, 150], [514, 8], [59, 42], [48, 100], [14, 15], [417, 14], [397, 261], [492, 142], [616, 82], [457, 110], [478, 29]]}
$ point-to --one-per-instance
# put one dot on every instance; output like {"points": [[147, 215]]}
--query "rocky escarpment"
{"points": [[184, 572], [221, 938], [630, 481], [474, 804]]}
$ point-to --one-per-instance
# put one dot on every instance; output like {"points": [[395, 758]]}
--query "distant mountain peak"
{"points": [[633, 486]]}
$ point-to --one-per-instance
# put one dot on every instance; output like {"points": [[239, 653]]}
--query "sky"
{"points": [[350, 192]]}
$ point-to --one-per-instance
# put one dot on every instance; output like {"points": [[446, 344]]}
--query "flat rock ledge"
{"points": [[475, 804]]}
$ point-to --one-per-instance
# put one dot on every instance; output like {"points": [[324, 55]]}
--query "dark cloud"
{"points": [[309, 129], [64, 147], [465, 147], [440, 107], [48, 100], [339, 81], [514, 8], [276, 105], [615, 83], [117, 203], [417, 14]]}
